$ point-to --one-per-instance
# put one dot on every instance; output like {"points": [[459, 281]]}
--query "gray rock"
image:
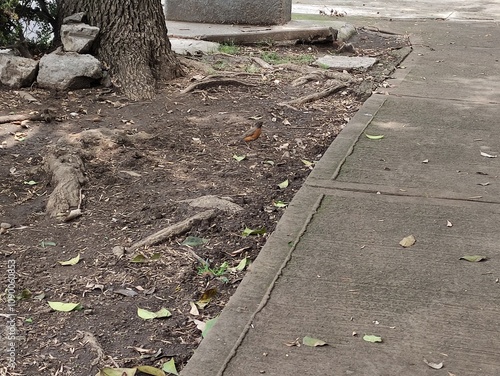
{"points": [[17, 71], [75, 18], [346, 32], [68, 71], [78, 37], [193, 46], [346, 62]]}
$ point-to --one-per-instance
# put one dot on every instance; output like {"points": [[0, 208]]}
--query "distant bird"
{"points": [[254, 133]]}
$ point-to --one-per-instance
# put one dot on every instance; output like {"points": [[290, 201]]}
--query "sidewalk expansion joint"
{"points": [[403, 192], [427, 97], [267, 295]]}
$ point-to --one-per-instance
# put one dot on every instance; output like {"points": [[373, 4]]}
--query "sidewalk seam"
{"points": [[267, 295]]}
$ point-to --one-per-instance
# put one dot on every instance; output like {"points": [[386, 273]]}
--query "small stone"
{"points": [[5, 225], [119, 251], [346, 62]]}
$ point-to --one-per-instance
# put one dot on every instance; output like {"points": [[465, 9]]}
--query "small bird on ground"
{"points": [[253, 133]]}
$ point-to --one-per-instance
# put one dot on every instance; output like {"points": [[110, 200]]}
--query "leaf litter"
{"points": [[120, 209]]}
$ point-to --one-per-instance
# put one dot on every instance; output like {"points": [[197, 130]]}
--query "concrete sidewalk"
{"points": [[334, 269]]}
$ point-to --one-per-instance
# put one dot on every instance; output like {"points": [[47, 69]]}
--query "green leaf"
{"points": [[44, 244], [64, 307], [280, 204], [313, 342], [155, 256], [39, 297], [194, 241], [73, 261], [24, 294], [29, 320], [372, 137], [307, 163], [151, 370], [208, 326], [117, 372], [249, 231], [139, 258], [148, 315], [162, 313], [242, 265], [239, 158], [31, 182], [371, 338], [474, 258], [283, 184], [169, 367]]}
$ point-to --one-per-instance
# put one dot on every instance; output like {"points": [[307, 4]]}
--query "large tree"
{"points": [[132, 42]]}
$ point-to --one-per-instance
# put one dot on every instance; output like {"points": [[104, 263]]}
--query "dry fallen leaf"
{"points": [[488, 155], [474, 258], [293, 343], [433, 365], [407, 241]]}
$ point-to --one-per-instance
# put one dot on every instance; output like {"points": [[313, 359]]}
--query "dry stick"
{"points": [[313, 97], [176, 229], [211, 83]]}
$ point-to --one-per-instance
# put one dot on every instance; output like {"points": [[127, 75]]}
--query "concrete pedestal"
{"points": [[249, 12]]}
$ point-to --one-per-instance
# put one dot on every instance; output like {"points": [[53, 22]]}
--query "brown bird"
{"points": [[253, 133]]}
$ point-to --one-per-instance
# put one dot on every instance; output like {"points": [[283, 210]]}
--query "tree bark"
{"points": [[132, 42]]}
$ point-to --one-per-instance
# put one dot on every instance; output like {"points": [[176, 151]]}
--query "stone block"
{"points": [[249, 12], [345, 62], [17, 71], [78, 37], [69, 71]]}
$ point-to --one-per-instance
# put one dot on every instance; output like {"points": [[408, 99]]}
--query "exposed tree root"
{"points": [[174, 230], [67, 172], [205, 84], [262, 63], [46, 115], [65, 164], [318, 75], [313, 97], [91, 340], [195, 64]]}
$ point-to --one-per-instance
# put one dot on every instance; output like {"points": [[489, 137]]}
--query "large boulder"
{"points": [[68, 71], [17, 71], [78, 37]]}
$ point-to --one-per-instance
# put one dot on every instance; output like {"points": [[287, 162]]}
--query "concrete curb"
{"points": [[247, 34]]}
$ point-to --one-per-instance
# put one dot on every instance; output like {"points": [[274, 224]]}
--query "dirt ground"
{"points": [[177, 147]]}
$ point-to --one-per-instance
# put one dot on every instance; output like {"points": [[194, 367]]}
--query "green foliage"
{"points": [[272, 57], [229, 48], [27, 25], [216, 271]]}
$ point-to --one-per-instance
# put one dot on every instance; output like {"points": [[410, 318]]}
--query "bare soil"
{"points": [[187, 146]]}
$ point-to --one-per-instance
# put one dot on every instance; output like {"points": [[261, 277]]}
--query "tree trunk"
{"points": [[132, 42]]}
